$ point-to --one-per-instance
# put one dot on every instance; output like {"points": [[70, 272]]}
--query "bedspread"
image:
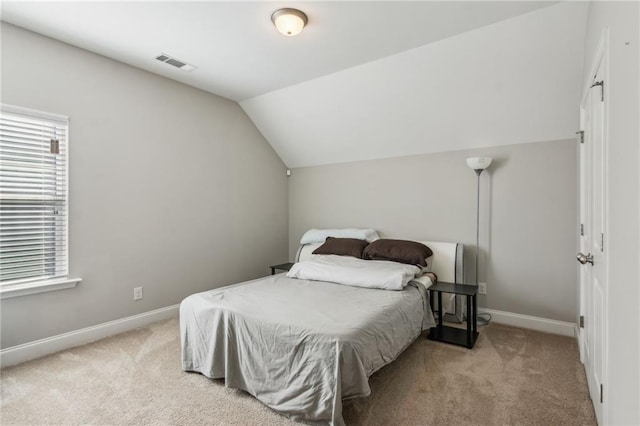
{"points": [[299, 346]]}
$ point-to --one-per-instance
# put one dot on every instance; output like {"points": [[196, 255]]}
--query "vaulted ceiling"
{"points": [[515, 81], [364, 79]]}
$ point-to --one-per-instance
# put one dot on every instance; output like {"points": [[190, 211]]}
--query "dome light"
{"points": [[289, 21]]}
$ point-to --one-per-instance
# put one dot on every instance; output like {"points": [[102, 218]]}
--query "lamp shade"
{"points": [[288, 21], [479, 163]]}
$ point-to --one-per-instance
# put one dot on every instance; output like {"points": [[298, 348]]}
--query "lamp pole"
{"points": [[478, 172], [478, 164]]}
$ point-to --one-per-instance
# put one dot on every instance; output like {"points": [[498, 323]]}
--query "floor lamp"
{"points": [[478, 164]]}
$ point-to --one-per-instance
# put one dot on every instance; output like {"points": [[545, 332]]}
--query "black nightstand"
{"points": [[282, 267], [456, 336]]}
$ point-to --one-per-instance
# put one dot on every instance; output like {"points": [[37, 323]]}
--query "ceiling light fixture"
{"points": [[289, 21]]}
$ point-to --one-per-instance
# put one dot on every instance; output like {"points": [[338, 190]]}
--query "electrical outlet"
{"points": [[137, 293], [482, 288]]}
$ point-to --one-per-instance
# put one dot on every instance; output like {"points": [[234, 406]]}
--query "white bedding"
{"points": [[349, 270]]}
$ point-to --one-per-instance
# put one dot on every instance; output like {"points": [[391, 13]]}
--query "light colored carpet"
{"points": [[512, 377]]}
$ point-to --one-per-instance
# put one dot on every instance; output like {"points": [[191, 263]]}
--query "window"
{"points": [[33, 198]]}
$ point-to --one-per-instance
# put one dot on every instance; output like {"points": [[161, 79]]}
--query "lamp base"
{"points": [[481, 319]]}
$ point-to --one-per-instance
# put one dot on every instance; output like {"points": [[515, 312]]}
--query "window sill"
{"points": [[17, 290]]}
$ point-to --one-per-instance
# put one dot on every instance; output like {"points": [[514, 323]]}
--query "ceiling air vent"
{"points": [[163, 57]]}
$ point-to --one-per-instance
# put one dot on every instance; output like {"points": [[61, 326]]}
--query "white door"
{"points": [[593, 219]]}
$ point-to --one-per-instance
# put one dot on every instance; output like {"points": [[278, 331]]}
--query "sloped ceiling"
{"points": [[365, 79], [238, 52], [515, 81]]}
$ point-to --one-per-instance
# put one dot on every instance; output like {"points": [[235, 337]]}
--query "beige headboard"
{"points": [[447, 259]]}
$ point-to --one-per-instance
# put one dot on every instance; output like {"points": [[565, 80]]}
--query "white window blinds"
{"points": [[33, 195]]}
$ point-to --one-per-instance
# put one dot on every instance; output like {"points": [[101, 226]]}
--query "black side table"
{"points": [[282, 267], [455, 336]]}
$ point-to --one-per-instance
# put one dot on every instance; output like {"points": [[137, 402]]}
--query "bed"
{"points": [[302, 346]]}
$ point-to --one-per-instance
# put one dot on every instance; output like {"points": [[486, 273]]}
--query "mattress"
{"points": [[299, 346]]}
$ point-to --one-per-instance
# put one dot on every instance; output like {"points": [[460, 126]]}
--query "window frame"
{"points": [[41, 284]]}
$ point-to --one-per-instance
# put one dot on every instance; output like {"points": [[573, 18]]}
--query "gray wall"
{"points": [[528, 215], [171, 188]]}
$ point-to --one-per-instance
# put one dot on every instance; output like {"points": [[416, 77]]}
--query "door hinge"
{"points": [[601, 396], [581, 321], [602, 242], [582, 230], [601, 84], [580, 134]]}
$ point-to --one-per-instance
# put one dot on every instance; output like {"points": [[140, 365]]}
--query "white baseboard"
{"points": [[38, 348], [533, 323], [579, 339]]}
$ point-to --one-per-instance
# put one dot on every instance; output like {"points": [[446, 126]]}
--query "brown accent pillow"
{"points": [[342, 246], [403, 251]]}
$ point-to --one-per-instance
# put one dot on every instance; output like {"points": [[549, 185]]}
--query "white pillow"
{"points": [[313, 236]]}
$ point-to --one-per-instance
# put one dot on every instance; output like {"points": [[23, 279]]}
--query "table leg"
{"points": [[273, 271], [470, 319], [431, 299], [475, 313], [440, 314]]}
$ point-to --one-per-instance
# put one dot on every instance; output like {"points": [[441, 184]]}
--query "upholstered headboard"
{"points": [[447, 261]]}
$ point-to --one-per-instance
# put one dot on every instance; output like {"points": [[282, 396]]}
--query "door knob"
{"points": [[585, 258]]}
